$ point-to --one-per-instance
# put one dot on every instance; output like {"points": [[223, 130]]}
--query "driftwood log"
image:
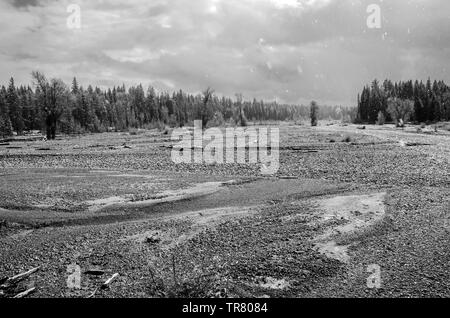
{"points": [[25, 293], [15, 279]]}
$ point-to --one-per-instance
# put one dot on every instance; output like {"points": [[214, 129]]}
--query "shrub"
{"points": [[133, 131], [217, 120], [347, 139], [314, 109], [400, 110], [5, 127], [197, 283], [243, 119], [156, 125], [381, 120], [400, 123]]}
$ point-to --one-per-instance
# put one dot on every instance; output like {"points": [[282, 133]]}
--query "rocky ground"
{"points": [[344, 201]]}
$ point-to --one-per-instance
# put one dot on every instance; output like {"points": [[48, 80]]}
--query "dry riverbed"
{"points": [[343, 200]]}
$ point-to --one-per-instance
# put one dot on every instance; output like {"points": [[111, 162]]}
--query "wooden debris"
{"points": [[19, 277], [25, 293], [93, 293], [305, 148], [94, 271], [109, 280], [414, 144], [153, 239]]}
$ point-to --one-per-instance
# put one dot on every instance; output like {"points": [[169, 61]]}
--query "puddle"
{"points": [[359, 212]]}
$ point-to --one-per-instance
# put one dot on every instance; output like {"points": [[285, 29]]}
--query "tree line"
{"points": [[50, 105], [406, 100]]}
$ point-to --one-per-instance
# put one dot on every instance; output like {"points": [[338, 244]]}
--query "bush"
{"points": [[347, 139], [135, 131], [217, 120], [196, 283], [314, 109], [381, 120], [400, 124], [444, 126], [400, 110], [243, 120], [5, 127], [155, 125]]}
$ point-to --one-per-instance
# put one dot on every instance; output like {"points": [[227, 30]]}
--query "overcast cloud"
{"points": [[288, 50]]}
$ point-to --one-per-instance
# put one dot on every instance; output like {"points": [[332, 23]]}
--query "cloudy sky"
{"points": [[289, 50]]}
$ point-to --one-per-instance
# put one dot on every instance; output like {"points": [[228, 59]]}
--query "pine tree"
{"points": [[5, 122], [15, 111], [206, 112], [314, 109], [74, 86]]}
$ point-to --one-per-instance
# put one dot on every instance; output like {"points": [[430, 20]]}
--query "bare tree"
{"points": [[400, 110], [53, 96]]}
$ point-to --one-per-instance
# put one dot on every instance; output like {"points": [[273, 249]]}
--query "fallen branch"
{"points": [[109, 280], [19, 277], [93, 293], [304, 148], [25, 293], [94, 271]]}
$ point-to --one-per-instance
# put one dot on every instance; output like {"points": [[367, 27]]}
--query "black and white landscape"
{"points": [[224, 148]]}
